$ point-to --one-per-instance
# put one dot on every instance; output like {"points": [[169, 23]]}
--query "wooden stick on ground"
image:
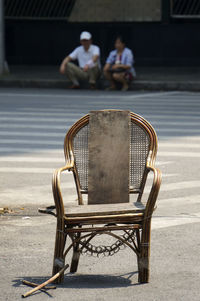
{"points": [[46, 282], [36, 284]]}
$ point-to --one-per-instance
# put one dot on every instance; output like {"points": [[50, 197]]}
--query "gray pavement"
{"points": [[32, 128], [148, 78]]}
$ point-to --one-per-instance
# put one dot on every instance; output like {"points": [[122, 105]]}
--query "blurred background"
{"points": [[160, 32]]}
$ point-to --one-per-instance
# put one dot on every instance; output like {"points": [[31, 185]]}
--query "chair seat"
{"points": [[98, 214]]}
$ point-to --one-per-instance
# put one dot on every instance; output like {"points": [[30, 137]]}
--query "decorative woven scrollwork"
{"points": [[93, 250]]}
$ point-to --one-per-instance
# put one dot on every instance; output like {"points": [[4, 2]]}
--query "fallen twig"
{"points": [[36, 284], [46, 282]]}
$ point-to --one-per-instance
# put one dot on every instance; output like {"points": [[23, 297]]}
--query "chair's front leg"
{"points": [[144, 254], [59, 258]]}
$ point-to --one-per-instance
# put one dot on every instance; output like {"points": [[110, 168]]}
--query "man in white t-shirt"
{"points": [[88, 57]]}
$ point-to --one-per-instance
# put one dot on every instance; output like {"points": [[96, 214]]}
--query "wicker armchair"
{"points": [[128, 223]]}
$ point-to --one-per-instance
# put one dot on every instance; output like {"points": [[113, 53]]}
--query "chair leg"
{"points": [[75, 257], [143, 260], [75, 261], [143, 267], [59, 259]]}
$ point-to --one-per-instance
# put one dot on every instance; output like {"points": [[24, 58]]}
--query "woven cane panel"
{"points": [[80, 145], [138, 155]]}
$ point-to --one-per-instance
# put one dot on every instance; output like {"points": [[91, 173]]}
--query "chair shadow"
{"points": [[81, 281], [96, 281]]}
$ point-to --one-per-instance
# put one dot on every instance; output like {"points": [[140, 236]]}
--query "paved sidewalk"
{"points": [[148, 78]]}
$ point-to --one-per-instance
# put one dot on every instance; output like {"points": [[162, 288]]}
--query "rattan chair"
{"points": [[128, 223]]}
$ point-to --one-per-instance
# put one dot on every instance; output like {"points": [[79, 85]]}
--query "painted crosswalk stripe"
{"points": [[68, 123], [179, 154], [177, 144], [22, 115], [162, 116], [31, 134], [175, 130], [51, 159], [27, 150], [36, 126], [38, 113], [184, 124], [171, 221], [26, 170], [180, 185], [60, 142], [28, 141], [176, 201], [31, 159], [36, 119], [43, 170]]}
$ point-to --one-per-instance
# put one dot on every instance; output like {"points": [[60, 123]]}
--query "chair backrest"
{"points": [[109, 150], [142, 151]]}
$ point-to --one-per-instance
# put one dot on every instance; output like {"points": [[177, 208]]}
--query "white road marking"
{"points": [[179, 154], [36, 195], [68, 123], [44, 169], [163, 115], [184, 124], [78, 115], [180, 185], [31, 159], [159, 163], [26, 170], [36, 126], [28, 150], [171, 221], [177, 144], [176, 130], [28, 141], [36, 119], [60, 150], [31, 134], [176, 201], [50, 159], [182, 139], [61, 142], [67, 118], [38, 113]]}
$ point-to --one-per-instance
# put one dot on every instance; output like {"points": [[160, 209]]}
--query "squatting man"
{"points": [[88, 57]]}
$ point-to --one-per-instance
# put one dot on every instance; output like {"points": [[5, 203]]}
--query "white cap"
{"points": [[85, 35]]}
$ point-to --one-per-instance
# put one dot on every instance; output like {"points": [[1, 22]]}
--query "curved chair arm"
{"points": [[154, 191], [58, 199]]}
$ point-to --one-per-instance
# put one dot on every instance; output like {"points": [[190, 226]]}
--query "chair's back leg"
{"points": [[75, 257]]}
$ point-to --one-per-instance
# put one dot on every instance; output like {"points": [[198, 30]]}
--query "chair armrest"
{"points": [[153, 192], [58, 199]]}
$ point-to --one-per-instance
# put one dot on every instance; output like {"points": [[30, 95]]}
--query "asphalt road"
{"points": [[33, 124]]}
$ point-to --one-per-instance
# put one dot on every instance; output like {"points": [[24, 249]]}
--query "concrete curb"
{"points": [[137, 85]]}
